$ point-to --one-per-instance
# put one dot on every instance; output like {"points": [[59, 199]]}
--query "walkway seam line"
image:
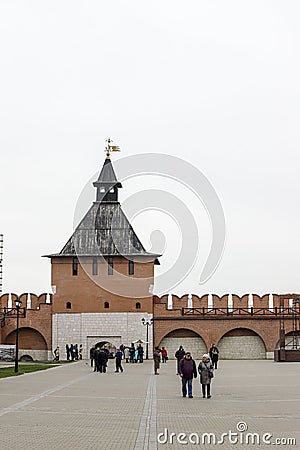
{"points": [[146, 438], [37, 397]]}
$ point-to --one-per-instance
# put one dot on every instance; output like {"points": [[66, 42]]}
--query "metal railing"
{"points": [[230, 311]]}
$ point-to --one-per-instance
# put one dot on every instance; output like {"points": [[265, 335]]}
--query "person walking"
{"points": [[96, 359], [156, 359], [56, 354], [92, 353], [80, 351], [68, 352], [76, 351], [206, 372], [136, 355], [103, 358], [164, 355], [140, 353], [72, 352], [187, 371], [179, 355], [119, 361], [132, 353], [214, 355], [126, 354]]}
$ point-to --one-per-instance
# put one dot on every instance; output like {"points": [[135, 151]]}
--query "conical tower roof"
{"points": [[105, 229]]}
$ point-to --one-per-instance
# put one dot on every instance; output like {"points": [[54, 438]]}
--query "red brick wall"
{"points": [[220, 302], [85, 293], [29, 339], [86, 296], [39, 320], [200, 302], [212, 330]]}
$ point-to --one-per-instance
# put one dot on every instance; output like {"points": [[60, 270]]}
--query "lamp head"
{"points": [[18, 302]]}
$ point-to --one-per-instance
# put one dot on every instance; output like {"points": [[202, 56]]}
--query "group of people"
{"points": [[134, 354], [188, 371], [186, 368], [73, 352], [157, 359], [186, 365], [99, 357]]}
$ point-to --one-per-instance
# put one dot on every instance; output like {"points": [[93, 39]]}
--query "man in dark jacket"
{"points": [[92, 353], [72, 352], [131, 353], [76, 351], [179, 355], [68, 352], [119, 361], [103, 358], [96, 359], [214, 355], [140, 353], [187, 370]]}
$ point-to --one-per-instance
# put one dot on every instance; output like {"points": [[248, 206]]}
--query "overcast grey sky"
{"points": [[213, 82]]}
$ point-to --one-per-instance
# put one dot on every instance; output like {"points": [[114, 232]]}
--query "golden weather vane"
{"points": [[110, 148]]}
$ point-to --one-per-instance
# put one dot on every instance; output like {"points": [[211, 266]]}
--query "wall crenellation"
{"points": [[230, 301], [28, 299]]}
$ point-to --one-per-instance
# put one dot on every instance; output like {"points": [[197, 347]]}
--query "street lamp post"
{"points": [[147, 323], [18, 304]]}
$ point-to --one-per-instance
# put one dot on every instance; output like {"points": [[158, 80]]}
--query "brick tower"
{"points": [[102, 277]]}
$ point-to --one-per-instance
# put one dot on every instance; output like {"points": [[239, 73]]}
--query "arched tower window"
{"points": [[138, 305], [106, 305], [68, 305]]}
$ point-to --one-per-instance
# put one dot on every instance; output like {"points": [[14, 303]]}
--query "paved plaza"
{"points": [[70, 407]]}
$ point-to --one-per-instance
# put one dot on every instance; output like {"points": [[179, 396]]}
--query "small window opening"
{"points": [[95, 266], [131, 267], [75, 267], [110, 265]]}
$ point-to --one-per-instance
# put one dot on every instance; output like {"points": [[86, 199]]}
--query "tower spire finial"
{"points": [[110, 148]]}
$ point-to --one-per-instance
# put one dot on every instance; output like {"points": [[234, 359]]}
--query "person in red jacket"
{"points": [[187, 371], [164, 354]]}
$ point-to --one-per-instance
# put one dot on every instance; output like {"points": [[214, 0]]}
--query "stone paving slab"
{"points": [[73, 407], [70, 407], [263, 394]]}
